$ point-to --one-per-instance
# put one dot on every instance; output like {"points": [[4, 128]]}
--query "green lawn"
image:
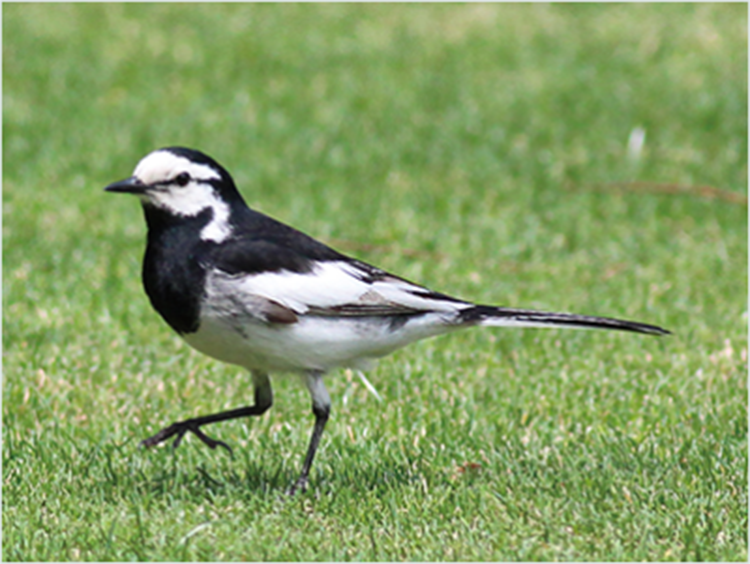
{"points": [[488, 151]]}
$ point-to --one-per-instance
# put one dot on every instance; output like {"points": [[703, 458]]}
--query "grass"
{"points": [[479, 149]]}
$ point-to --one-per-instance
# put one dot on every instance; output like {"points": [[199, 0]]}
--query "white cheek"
{"points": [[191, 200], [218, 229]]}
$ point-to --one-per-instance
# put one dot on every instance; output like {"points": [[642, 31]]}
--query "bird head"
{"points": [[184, 183]]}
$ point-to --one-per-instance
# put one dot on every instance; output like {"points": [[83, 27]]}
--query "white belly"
{"points": [[313, 343]]}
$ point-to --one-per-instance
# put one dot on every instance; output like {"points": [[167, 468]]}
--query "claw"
{"points": [[212, 443], [178, 440]]}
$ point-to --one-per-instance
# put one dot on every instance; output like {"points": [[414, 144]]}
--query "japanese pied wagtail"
{"points": [[246, 289]]}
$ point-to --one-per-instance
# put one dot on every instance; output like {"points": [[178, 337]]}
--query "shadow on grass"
{"points": [[208, 480], [127, 471]]}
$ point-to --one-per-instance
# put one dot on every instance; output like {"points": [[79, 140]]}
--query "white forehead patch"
{"points": [[161, 166], [189, 200]]}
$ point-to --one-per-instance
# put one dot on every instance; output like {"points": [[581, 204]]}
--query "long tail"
{"points": [[507, 317]]}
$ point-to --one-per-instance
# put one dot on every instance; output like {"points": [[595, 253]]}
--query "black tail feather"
{"points": [[492, 315]]}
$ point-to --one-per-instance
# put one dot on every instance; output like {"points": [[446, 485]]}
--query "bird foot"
{"points": [[180, 429], [299, 486]]}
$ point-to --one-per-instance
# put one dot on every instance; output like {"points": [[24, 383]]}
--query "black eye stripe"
{"points": [[183, 179]]}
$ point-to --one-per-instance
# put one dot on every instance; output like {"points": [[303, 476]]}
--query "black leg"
{"points": [[321, 410], [263, 400]]}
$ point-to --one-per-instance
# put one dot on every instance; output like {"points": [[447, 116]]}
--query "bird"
{"points": [[251, 291]]}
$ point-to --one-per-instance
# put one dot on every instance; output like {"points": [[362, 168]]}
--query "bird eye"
{"points": [[182, 179]]}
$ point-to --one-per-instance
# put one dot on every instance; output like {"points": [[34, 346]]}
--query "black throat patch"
{"points": [[173, 273]]}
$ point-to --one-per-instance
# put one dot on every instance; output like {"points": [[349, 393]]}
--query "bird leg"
{"points": [[263, 400], [321, 409]]}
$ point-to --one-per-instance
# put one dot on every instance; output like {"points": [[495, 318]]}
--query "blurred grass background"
{"points": [[588, 158]]}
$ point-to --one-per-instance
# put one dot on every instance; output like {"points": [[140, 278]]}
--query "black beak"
{"points": [[128, 186]]}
